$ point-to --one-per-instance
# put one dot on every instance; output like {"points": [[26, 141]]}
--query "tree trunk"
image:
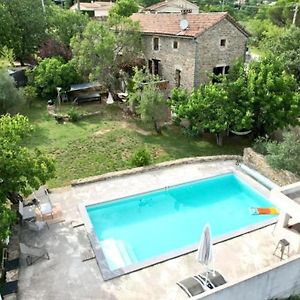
{"points": [[219, 139], [157, 127]]}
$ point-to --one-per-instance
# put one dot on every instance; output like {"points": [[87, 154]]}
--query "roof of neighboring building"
{"points": [[166, 3], [93, 6], [168, 24]]}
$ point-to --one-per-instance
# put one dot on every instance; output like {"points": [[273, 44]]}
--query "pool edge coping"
{"points": [[166, 164], [108, 274]]}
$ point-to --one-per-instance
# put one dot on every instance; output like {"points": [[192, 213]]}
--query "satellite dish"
{"points": [[184, 24]]}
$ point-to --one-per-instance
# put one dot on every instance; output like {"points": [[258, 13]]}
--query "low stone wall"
{"points": [[166, 164], [259, 163]]}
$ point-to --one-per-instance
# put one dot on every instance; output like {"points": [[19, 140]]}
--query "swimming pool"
{"points": [[143, 229]]}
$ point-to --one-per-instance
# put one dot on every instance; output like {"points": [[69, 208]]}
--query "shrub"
{"points": [[30, 94], [260, 145], [74, 115], [52, 73], [285, 155], [140, 158]]}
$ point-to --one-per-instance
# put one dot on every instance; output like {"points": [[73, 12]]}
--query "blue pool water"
{"points": [[155, 223]]}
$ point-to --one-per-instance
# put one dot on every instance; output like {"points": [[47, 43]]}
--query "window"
{"points": [[177, 78], [156, 43], [223, 43], [220, 71], [175, 45]]}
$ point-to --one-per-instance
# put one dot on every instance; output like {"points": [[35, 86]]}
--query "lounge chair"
{"points": [[43, 201], [9, 288], [33, 253], [198, 284], [212, 279], [26, 212], [192, 286]]}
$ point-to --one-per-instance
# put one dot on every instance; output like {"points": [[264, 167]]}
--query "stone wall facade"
{"points": [[258, 162], [182, 59], [194, 58], [211, 54]]}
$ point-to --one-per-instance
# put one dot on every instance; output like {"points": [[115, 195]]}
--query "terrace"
{"points": [[67, 276]]}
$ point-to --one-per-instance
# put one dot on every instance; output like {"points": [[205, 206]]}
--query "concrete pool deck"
{"points": [[66, 276]]}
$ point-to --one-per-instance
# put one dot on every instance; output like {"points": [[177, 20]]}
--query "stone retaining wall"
{"points": [[258, 162], [167, 164]]}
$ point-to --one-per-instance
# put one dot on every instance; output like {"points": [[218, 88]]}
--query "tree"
{"points": [[63, 24], [273, 96], [261, 98], [147, 3], [21, 170], [9, 94], [124, 8], [207, 108], [153, 106], [28, 24], [103, 48], [52, 73], [6, 25], [282, 13], [286, 46], [235, 85], [146, 98]]}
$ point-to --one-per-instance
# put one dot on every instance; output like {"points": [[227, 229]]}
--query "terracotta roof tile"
{"points": [[169, 23]]}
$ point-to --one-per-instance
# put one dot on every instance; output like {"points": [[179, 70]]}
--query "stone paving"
{"points": [[66, 276]]}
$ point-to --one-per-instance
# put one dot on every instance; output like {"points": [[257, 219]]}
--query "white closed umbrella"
{"points": [[204, 253]]}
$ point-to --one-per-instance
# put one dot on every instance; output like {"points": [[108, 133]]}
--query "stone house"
{"points": [[172, 6], [184, 49]]}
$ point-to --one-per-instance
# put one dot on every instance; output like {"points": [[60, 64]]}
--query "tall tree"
{"points": [[103, 48], [124, 8], [153, 106], [9, 94], [63, 24], [6, 27], [28, 24], [286, 46], [273, 95], [21, 170]]}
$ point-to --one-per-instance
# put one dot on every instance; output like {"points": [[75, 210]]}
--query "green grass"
{"points": [[106, 142]]}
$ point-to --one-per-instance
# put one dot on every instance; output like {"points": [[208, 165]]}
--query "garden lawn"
{"points": [[106, 142]]}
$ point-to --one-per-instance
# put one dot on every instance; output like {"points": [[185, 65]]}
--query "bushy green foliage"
{"points": [[260, 145], [286, 154], [21, 170], [52, 73], [141, 157], [99, 52], [286, 47], [147, 99], [261, 98], [124, 8], [63, 24], [24, 26], [74, 115], [9, 94], [30, 94]]}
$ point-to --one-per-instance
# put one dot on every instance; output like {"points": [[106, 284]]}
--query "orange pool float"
{"points": [[264, 211]]}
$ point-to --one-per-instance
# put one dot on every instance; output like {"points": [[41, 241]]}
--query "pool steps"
{"points": [[117, 254]]}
